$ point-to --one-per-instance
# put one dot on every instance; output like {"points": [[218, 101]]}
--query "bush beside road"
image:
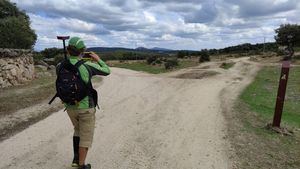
{"points": [[154, 69]]}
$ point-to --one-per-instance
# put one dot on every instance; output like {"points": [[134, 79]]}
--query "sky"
{"points": [[172, 24]]}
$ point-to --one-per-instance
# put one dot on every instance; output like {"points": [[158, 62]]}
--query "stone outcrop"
{"points": [[16, 67]]}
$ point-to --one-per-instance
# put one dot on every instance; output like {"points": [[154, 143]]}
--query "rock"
{"points": [[13, 82], [40, 62], [31, 60], [50, 61], [8, 67], [19, 74], [29, 74], [21, 62], [52, 67], [21, 68], [43, 68], [31, 69], [1, 81], [9, 77], [13, 54], [13, 71], [6, 84], [18, 60], [16, 66], [26, 75], [10, 61], [6, 52], [2, 62], [47, 74]]}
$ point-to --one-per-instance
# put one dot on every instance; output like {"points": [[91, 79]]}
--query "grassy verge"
{"points": [[261, 95], [227, 65], [31, 93], [255, 145], [143, 66]]}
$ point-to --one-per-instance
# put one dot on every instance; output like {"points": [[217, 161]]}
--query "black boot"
{"points": [[87, 166], [76, 141]]}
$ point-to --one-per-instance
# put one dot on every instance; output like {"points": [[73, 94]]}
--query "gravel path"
{"points": [[146, 121]]}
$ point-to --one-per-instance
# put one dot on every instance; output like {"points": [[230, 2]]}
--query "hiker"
{"points": [[81, 112]]}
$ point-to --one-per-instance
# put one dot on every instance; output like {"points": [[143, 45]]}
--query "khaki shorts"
{"points": [[83, 121]]}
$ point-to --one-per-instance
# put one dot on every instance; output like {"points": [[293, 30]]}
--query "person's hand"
{"points": [[95, 57]]}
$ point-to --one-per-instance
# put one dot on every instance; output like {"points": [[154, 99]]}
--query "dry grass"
{"points": [[31, 93]]}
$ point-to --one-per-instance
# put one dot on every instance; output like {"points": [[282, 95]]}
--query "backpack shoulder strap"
{"points": [[92, 92], [79, 63]]}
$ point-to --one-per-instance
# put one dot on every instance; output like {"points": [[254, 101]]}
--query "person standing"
{"points": [[82, 112]]}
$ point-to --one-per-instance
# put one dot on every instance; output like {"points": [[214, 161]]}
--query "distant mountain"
{"points": [[108, 49], [161, 49], [140, 49]]}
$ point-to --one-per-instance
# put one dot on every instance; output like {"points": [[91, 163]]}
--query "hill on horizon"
{"points": [[139, 49]]}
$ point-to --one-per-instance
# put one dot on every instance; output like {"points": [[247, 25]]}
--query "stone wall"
{"points": [[16, 67]]}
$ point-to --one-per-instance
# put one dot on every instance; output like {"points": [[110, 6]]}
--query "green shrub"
{"points": [[151, 59], [52, 52], [171, 63], [297, 57], [204, 58], [158, 61], [37, 56], [255, 52], [280, 52]]}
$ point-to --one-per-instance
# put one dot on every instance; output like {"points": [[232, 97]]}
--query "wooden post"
{"points": [[281, 93]]}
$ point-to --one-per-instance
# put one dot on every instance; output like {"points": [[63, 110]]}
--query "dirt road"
{"points": [[145, 122]]}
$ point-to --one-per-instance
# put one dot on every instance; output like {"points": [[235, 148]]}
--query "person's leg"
{"points": [[76, 140], [82, 155], [73, 114], [86, 132]]}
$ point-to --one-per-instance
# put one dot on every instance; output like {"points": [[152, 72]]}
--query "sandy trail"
{"points": [[145, 122]]}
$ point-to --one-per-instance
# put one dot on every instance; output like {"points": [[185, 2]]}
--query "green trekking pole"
{"points": [[64, 38]]}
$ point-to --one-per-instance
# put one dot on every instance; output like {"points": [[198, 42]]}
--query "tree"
{"points": [[151, 59], [52, 52], [180, 54], [15, 31], [171, 63], [286, 30], [204, 56]]}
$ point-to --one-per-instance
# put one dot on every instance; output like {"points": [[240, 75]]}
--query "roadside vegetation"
{"points": [[28, 94], [255, 145], [154, 69], [227, 65]]}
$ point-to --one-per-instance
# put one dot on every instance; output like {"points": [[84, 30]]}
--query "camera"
{"points": [[87, 55]]}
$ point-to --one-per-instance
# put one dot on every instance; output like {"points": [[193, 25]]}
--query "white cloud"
{"points": [[149, 17], [177, 24]]}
